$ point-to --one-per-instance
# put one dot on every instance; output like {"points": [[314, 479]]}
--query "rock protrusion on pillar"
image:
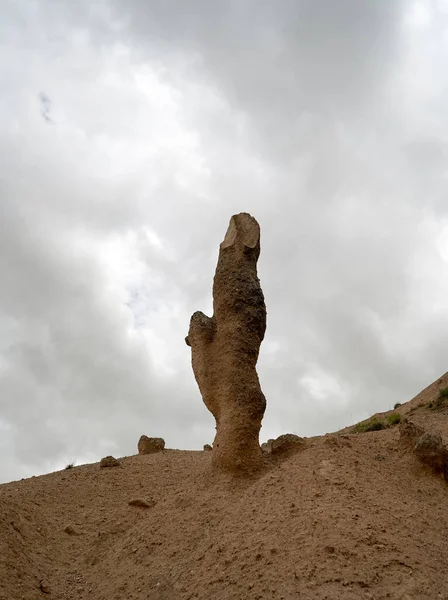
{"points": [[225, 349]]}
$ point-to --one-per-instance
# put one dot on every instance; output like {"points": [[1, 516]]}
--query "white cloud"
{"points": [[129, 137]]}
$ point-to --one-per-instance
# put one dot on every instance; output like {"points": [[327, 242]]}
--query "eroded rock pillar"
{"points": [[225, 349]]}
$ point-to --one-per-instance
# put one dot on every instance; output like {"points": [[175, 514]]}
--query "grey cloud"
{"points": [[280, 62], [306, 114], [74, 382]]}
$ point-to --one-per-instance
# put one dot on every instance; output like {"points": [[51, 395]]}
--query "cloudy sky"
{"points": [[130, 132]]}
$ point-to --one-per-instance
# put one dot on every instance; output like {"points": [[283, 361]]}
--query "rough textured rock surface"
{"points": [[44, 587], [70, 530], [427, 446], [147, 445], [286, 443], [266, 447], [225, 349], [207, 448], [409, 432], [430, 450], [108, 462], [141, 503]]}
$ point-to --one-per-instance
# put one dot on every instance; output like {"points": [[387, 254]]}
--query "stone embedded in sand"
{"points": [[426, 446], [286, 443], [430, 450], [225, 349], [141, 503], [108, 462], [207, 448], [147, 445], [44, 586], [409, 432], [70, 530]]}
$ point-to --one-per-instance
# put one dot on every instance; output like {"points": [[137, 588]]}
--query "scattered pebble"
{"points": [[141, 503], [109, 461]]}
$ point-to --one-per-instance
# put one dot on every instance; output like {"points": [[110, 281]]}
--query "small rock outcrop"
{"points": [[426, 446], [409, 432], [266, 447], [225, 349], [109, 461], [149, 445], [70, 530], [431, 451], [207, 448], [285, 443], [44, 586], [140, 503]]}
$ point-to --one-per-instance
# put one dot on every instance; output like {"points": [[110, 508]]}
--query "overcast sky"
{"points": [[130, 132]]}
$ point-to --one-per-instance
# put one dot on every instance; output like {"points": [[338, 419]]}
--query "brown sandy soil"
{"points": [[352, 516]]}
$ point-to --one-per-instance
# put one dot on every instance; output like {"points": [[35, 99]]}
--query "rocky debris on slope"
{"points": [[108, 462], [337, 441], [285, 443], [430, 450], [225, 349], [150, 445], [409, 432], [427, 446], [141, 503], [44, 586], [207, 448], [70, 530]]}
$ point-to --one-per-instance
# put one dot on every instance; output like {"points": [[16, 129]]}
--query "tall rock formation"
{"points": [[225, 349]]}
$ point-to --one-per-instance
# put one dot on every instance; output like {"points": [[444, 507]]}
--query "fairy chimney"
{"points": [[225, 349]]}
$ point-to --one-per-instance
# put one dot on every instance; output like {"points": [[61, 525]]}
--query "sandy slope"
{"points": [[352, 516]]}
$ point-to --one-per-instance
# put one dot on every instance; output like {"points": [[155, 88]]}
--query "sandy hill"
{"points": [[350, 516]]}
